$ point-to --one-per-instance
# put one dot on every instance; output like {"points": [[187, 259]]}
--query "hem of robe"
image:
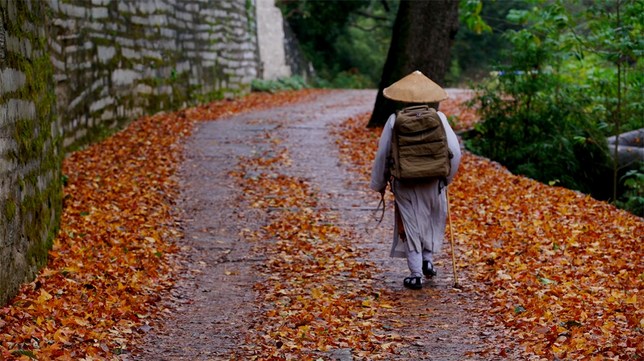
{"points": [[432, 240]]}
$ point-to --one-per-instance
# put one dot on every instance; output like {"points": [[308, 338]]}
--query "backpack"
{"points": [[419, 148]]}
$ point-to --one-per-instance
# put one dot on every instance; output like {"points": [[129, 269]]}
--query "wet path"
{"points": [[214, 297]]}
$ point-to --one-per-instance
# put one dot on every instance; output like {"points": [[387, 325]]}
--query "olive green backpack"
{"points": [[419, 150]]}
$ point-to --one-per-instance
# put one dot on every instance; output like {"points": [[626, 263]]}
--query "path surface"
{"points": [[209, 309]]}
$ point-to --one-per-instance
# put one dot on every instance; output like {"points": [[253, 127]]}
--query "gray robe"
{"points": [[423, 208]]}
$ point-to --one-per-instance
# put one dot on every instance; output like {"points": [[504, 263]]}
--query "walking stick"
{"points": [[451, 234]]}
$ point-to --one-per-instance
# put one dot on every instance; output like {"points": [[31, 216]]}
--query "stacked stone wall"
{"points": [[115, 60], [30, 144], [74, 70]]}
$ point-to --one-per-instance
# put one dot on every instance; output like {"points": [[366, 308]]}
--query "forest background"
{"points": [[553, 80]]}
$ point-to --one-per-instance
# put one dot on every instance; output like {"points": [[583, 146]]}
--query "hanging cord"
{"points": [[382, 214]]}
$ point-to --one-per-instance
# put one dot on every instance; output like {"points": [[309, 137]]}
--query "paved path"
{"points": [[214, 296]]}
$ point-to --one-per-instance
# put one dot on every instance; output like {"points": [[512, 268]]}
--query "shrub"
{"points": [[272, 86], [538, 120], [632, 198]]}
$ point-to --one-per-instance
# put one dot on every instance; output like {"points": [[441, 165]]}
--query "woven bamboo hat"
{"points": [[415, 88]]}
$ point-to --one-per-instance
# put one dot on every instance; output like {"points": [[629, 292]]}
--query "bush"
{"points": [[574, 76], [538, 120], [272, 86], [632, 198], [541, 135]]}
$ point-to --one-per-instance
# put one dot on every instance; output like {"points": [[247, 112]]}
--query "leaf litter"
{"points": [[562, 271], [115, 252], [317, 296]]}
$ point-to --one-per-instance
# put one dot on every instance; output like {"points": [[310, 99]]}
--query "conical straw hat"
{"points": [[415, 88]]}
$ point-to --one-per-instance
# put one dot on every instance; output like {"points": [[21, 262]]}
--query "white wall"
{"points": [[270, 38]]}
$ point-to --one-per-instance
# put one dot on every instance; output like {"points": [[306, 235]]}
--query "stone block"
{"points": [[15, 109], [73, 10], [148, 53], [20, 46], [130, 53], [142, 89], [158, 20], [11, 80], [78, 99], [99, 13], [124, 77], [105, 53], [107, 115], [101, 2], [100, 104]]}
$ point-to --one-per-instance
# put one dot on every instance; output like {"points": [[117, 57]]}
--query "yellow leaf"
{"points": [[81, 321], [44, 296], [316, 293]]}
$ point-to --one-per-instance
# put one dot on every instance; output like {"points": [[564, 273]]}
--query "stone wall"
{"points": [[279, 51], [115, 60], [270, 36], [72, 71], [30, 144]]}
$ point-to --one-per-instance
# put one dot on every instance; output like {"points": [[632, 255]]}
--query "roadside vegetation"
{"points": [[553, 80]]}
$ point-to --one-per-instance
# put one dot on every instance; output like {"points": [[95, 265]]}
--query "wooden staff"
{"points": [[451, 234]]}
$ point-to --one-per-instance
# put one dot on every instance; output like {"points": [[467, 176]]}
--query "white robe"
{"points": [[423, 208]]}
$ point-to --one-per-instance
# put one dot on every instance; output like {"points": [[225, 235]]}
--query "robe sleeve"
{"points": [[454, 147], [379, 170]]}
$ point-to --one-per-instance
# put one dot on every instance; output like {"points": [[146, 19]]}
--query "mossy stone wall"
{"points": [[72, 71], [30, 144]]}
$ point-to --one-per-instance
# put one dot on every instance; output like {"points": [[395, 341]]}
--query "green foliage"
{"points": [[479, 43], [632, 198], [361, 54], [272, 86], [345, 80], [612, 34], [470, 16], [542, 115], [345, 40], [541, 135]]}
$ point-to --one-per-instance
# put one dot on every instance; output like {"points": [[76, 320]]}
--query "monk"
{"points": [[421, 207]]}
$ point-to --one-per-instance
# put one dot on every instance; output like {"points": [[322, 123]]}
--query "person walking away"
{"points": [[419, 190]]}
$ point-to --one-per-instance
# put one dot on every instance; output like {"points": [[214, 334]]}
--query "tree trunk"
{"points": [[422, 36]]}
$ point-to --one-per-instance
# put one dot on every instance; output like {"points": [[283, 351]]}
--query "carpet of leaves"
{"points": [[563, 271], [113, 256], [312, 302]]}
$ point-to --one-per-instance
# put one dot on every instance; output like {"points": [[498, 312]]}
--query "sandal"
{"points": [[428, 269], [413, 282]]}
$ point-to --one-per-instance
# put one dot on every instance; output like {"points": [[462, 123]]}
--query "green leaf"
{"points": [[27, 353], [518, 16], [546, 281]]}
